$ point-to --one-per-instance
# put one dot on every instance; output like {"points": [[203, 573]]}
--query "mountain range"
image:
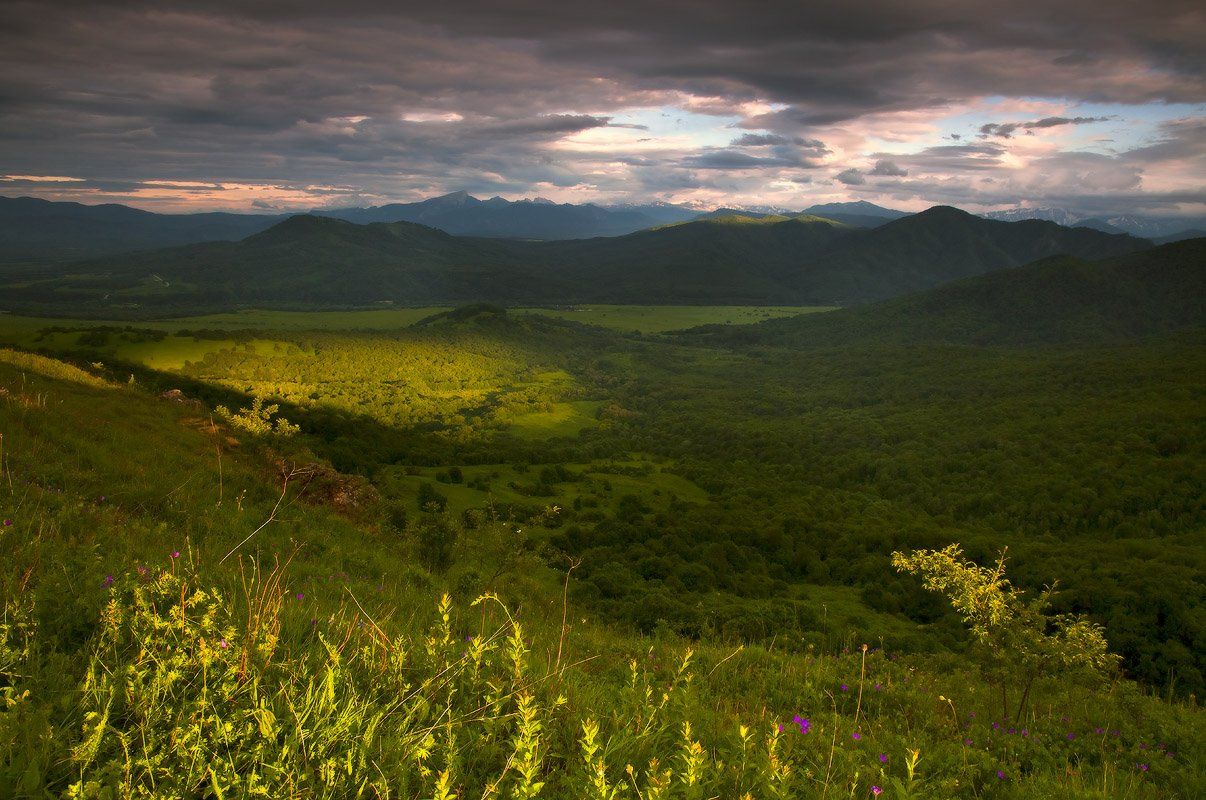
{"points": [[462, 214], [1159, 229], [317, 262], [35, 231]]}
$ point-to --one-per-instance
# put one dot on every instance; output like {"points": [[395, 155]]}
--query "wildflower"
{"points": [[856, 736], [108, 580], [879, 687], [1143, 745], [967, 742], [175, 554], [804, 723], [780, 727], [845, 688], [1071, 736], [1141, 767], [996, 726], [1012, 731], [8, 523], [1099, 731], [1025, 731], [875, 790], [301, 596], [142, 570], [223, 644], [1000, 774], [883, 758]]}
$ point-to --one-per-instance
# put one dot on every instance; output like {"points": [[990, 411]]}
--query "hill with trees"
{"points": [[313, 262]]}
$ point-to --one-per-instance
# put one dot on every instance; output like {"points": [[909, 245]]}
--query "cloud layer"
{"points": [[291, 105]]}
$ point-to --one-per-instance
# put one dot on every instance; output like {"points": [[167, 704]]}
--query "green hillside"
{"points": [[1059, 300], [674, 565], [189, 606]]}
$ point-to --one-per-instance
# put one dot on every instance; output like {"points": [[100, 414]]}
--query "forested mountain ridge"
{"points": [[312, 262], [35, 230], [1056, 300]]}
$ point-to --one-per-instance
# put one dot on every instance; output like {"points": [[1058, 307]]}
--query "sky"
{"points": [[271, 105]]}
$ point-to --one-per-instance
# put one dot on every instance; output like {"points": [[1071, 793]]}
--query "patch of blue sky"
{"points": [[702, 130], [1125, 126]]}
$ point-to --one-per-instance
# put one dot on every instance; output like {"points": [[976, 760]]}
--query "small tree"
{"points": [[257, 420], [1017, 637]]}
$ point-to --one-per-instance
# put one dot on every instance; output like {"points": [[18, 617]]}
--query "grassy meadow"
{"points": [[508, 555]]}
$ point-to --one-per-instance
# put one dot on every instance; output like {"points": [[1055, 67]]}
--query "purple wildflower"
{"points": [[8, 523], [175, 554], [804, 723], [875, 790], [301, 596], [223, 644], [856, 736], [967, 742], [1141, 767], [1143, 745], [883, 758], [845, 688], [1071, 736], [1025, 731], [1000, 774], [879, 687], [1099, 731], [996, 726], [108, 580]]}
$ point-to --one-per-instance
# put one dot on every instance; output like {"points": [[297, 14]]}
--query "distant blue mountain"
{"points": [[462, 214], [42, 230]]}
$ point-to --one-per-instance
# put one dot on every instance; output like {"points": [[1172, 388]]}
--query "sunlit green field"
{"points": [[658, 319], [645, 319]]}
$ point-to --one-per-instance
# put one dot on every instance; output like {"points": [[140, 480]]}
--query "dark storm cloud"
{"points": [[950, 158], [850, 177], [403, 99], [1006, 130], [887, 168], [735, 159]]}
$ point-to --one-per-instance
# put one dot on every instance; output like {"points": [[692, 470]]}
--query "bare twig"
{"points": [[271, 517], [574, 564]]}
